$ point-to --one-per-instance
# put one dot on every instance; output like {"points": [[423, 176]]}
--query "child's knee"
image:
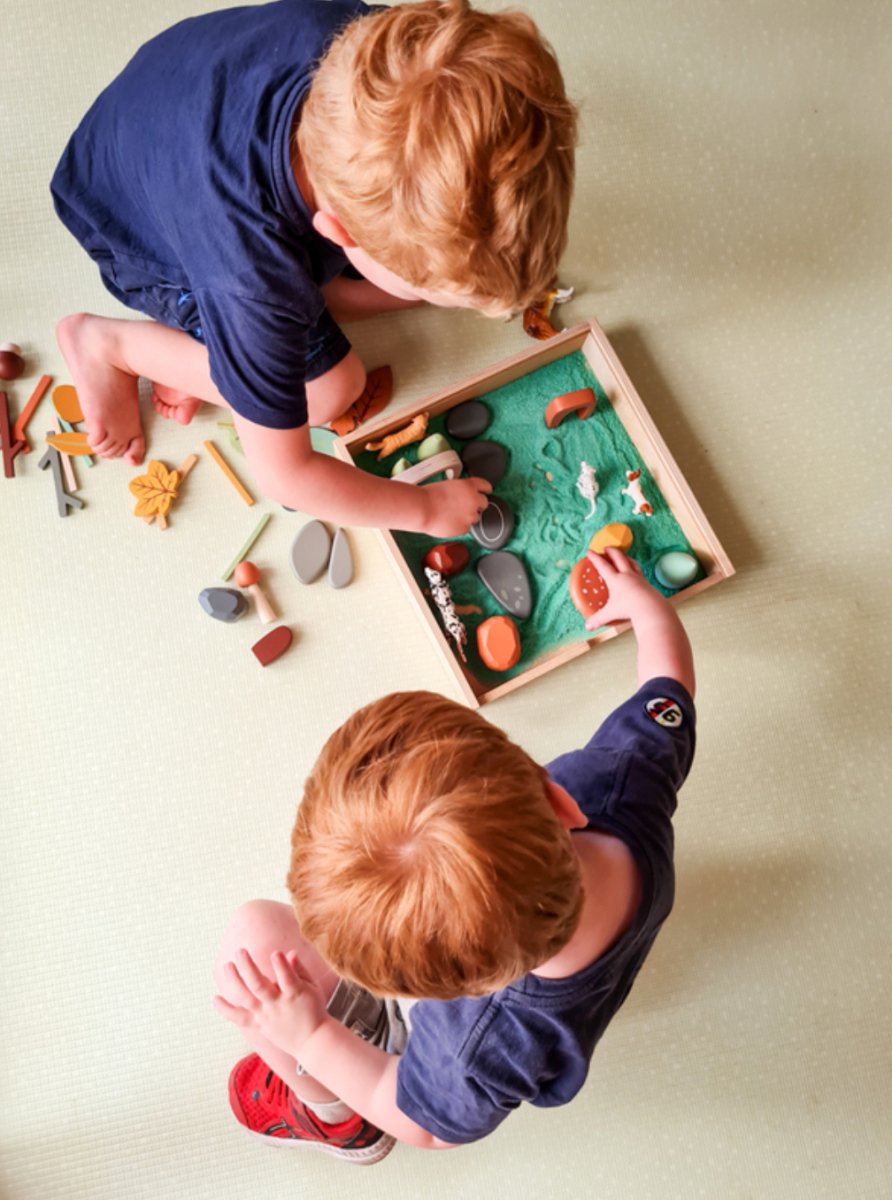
{"points": [[332, 393], [260, 926]]}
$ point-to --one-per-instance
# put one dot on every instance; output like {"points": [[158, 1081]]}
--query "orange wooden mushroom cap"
{"points": [[246, 574]]}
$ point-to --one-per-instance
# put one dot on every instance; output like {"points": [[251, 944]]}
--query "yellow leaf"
{"points": [[155, 491]]}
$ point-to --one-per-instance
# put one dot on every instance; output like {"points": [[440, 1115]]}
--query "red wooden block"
{"points": [[448, 558], [6, 437], [272, 646], [588, 591], [582, 401]]}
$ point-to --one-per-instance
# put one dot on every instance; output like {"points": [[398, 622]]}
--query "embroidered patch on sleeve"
{"points": [[664, 711]]}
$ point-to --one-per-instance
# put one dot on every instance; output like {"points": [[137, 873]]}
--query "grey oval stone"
{"points": [[468, 420], [495, 525], [486, 459], [310, 551], [506, 577], [223, 604], [340, 565]]}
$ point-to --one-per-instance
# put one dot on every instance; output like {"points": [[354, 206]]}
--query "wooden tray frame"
{"points": [[630, 410]]}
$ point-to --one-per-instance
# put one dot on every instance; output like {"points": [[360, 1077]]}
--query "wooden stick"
{"points": [[69, 428], [6, 437], [67, 466], [258, 529], [18, 433], [229, 473]]}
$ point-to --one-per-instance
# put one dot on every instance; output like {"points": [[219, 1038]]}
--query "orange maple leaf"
{"points": [[375, 398], [155, 491]]}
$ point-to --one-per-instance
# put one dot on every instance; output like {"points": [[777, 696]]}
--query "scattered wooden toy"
{"points": [[18, 433], [255, 534], [67, 464], [223, 604], [247, 576], [442, 597], [67, 403], [535, 319], [487, 460], [340, 565], [6, 437], [432, 445], [413, 432], [468, 420], [272, 645], [506, 578], [310, 551], [447, 463], [676, 569], [374, 399], [615, 534], [449, 558], [229, 473], [11, 362], [588, 591], [498, 643], [156, 490], [401, 464], [63, 499], [587, 486], [67, 428], [495, 526], [583, 401], [636, 495], [72, 443]]}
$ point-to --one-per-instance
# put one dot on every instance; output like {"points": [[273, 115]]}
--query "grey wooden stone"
{"points": [[310, 551], [486, 459], [223, 604], [340, 565], [495, 525], [468, 420], [506, 577]]}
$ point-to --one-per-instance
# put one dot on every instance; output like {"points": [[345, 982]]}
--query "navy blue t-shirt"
{"points": [[469, 1063], [178, 182]]}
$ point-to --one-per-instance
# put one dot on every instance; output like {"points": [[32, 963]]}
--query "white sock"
{"points": [[331, 1112]]}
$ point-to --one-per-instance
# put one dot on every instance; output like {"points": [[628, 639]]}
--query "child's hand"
{"points": [[629, 593], [454, 506], [286, 1012]]}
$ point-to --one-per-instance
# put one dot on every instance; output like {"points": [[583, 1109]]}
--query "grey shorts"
{"points": [[384, 1023]]}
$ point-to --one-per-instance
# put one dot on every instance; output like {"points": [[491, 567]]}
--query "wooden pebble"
{"points": [[11, 362], [401, 464], [223, 604], [676, 569], [434, 444], [468, 420], [616, 534], [495, 526], [272, 645], [582, 401], [486, 460], [505, 577], [498, 643], [340, 565], [588, 591], [448, 558], [310, 551]]}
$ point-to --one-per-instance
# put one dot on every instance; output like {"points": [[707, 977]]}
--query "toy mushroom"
{"points": [[247, 576]]}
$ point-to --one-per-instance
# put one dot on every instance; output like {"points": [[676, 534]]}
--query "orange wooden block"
{"points": [[582, 401], [616, 534], [273, 645], [18, 433], [588, 591], [498, 643]]}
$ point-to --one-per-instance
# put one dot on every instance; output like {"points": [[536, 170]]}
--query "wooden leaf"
{"points": [[155, 491], [536, 324], [374, 399], [69, 443], [67, 404]]}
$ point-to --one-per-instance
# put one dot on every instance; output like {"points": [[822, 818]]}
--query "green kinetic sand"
{"points": [[551, 532]]}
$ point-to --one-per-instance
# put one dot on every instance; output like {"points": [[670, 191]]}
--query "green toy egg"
{"points": [[676, 569], [434, 444], [401, 464]]}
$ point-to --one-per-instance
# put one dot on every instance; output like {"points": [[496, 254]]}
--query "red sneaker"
{"points": [[268, 1108]]}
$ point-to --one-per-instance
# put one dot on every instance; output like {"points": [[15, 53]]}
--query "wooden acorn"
{"points": [[11, 362], [247, 576]]}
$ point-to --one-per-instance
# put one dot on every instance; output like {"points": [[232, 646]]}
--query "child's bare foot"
{"points": [[173, 404], [108, 395]]}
